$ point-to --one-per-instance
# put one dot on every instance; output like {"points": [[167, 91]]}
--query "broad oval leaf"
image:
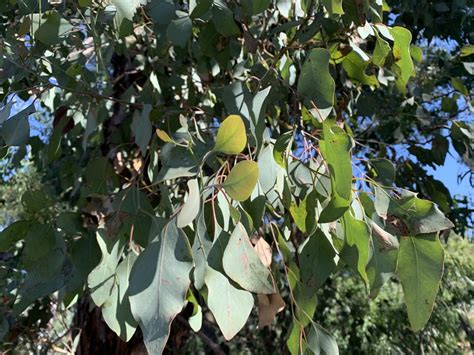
{"points": [[241, 180], [231, 136], [230, 306], [420, 267], [243, 265]]}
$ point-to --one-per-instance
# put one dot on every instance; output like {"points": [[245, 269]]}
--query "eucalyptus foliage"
{"points": [[217, 154]]}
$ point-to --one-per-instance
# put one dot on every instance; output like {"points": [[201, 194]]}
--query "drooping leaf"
{"points": [[230, 306], [420, 216], [381, 51], [195, 321], [420, 267], [126, 9], [401, 53], [116, 309], [241, 180], [16, 130], [13, 233], [356, 244], [191, 207], [315, 82], [238, 100], [223, 19], [320, 341], [231, 137], [381, 267], [281, 148], [317, 260], [268, 307], [335, 148], [163, 136], [333, 6], [242, 263], [101, 279], [43, 259], [158, 284], [142, 129], [355, 65], [384, 169], [201, 248], [180, 30]]}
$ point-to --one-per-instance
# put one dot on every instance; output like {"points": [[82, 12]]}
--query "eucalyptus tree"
{"points": [[220, 156]]}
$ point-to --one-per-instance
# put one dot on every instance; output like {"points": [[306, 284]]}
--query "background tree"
{"points": [[247, 149]]}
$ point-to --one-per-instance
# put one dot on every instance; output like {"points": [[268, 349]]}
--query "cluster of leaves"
{"points": [[169, 205]]}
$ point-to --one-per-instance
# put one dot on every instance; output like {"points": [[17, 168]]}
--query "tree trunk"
{"points": [[97, 338]]}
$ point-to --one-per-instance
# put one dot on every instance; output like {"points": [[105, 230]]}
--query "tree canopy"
{"points": [[230, 155]]}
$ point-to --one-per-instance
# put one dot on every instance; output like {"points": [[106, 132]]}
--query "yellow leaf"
{"points": [[163, 136], [241, 180], [231, 137]]}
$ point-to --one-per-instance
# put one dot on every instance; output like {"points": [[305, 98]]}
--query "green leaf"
{"points": [[101, 279], [51, 27], [176, 162], [254, 7], [459, 86], [116, 309], [282, 148], [195, 320], [85, 3], [381, 51], [320, 341], [333, 6], [16, 130], [230, 306], [420, 267], [126, 9], [242, 263], [421, 216], [191, 207], [142, 129], [315, 82], [13, 233], [402, 56], [231, 137], [356, 244], [316, 260], [355, 67], [35, 200], [201, 248], [43, 260], [381, 266], [159, 282], [384, 169], [416, 53], [468, 49], [238, 100], [200, 7], [180, 30], [335, 148], [440, 147], [223, 19], [241, 180]]}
